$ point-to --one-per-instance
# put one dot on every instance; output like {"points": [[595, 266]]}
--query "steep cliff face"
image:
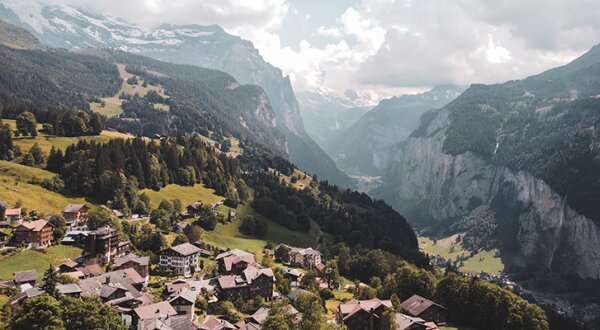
{"points": [[536, 226]]}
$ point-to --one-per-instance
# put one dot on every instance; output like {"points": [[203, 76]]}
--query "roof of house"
{"points": [[176, 322], [235, 252], [105, 284], [12, 212], [292, 271], [252, 272], [261, 315], [415, 305], [182, 224], [72, 208], [104, 232], [4, 204], [68, 288], [142, 261], [184, 249], [295, 293], [404, 321], [69, 263], [354, 306], [211, 322], [36, 225], [196, 205], [305, 252], [161, 309], [187, 295], [91, 270], [26, 276]]}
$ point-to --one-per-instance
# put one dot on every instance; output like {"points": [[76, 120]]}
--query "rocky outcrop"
{"points": [[536, 226]]}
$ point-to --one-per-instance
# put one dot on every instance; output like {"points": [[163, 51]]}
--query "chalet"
{"points": [[362, 314], [405, 322], [184, 302], [92, 270], [140, 264], [212, 322], [75, 213], [234, 261], [119, 289], [293, 295], [425, 309], [177, 322], [306, 258], [183, 259], [72, 290], [34, 234], [67, 266], [180, 226], [194, 209], [254, 282], [13, 215], [293, 275], [260, 315], [159, 310], [102, 245], [15, 301], [26, 277], [75, 238], [172, 289]]}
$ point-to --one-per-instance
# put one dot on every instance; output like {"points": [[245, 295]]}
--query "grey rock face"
{"points": [[537, 227]]}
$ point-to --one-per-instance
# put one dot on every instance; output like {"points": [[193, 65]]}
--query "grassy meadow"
{"points": [[449, 248]]}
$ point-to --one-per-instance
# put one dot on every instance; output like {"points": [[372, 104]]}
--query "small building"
{"points": [[212, 322], [234, 261], [34, 234], [254, 282], [306, 258], [194, 209], [293, 275], [75, 213], [102, 245], [118, 214], [13, 215], [293, 295], [71, 289], [184, 302], [425, 309], [406, 322], [182, 258], [26, 277], [67, 266], [140, 264], [177, 322], [180, 226], [75, 238], [92, 270], [362, 314], [159, 310]]}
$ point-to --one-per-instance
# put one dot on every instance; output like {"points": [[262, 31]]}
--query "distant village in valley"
{"points": [[193, 285]]}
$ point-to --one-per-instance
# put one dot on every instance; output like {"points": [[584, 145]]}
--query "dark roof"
{"points": [[68, 288], [26, 276], [175, 322], [91, 270], [415, 305]]}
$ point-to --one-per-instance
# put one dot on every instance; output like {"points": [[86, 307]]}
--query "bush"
{"points": [[254, 227]]}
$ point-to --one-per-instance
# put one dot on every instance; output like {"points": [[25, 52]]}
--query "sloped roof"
{"points": [[73, 208], [187, 295], [295, 293], [415, 305], [161, 309], [253, 272], [123, 279], [177, 322], [235, 252], [185, 249], [91, 270], [36, 225], [12, 212], [68, 288], [404, 321], [26, 276], [354, 306], [69, 263], [142, 261], [211, 322]]}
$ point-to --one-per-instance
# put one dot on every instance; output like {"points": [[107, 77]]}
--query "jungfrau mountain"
{"points": [[205, 46]]}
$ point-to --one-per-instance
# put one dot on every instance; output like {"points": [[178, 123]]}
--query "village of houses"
{"points": [[108, 269]]}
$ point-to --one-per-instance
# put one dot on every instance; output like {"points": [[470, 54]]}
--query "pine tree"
{"points": [[50, 280]]}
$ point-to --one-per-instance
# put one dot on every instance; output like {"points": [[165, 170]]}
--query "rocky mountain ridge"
{"points": [[206, 46]]}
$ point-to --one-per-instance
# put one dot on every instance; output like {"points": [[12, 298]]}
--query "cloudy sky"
{"points": [[383, 47]]}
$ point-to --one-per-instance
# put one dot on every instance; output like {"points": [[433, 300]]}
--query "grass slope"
{"points": [[449, 248], [40, 261], [14, 187], [187, 195]]}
